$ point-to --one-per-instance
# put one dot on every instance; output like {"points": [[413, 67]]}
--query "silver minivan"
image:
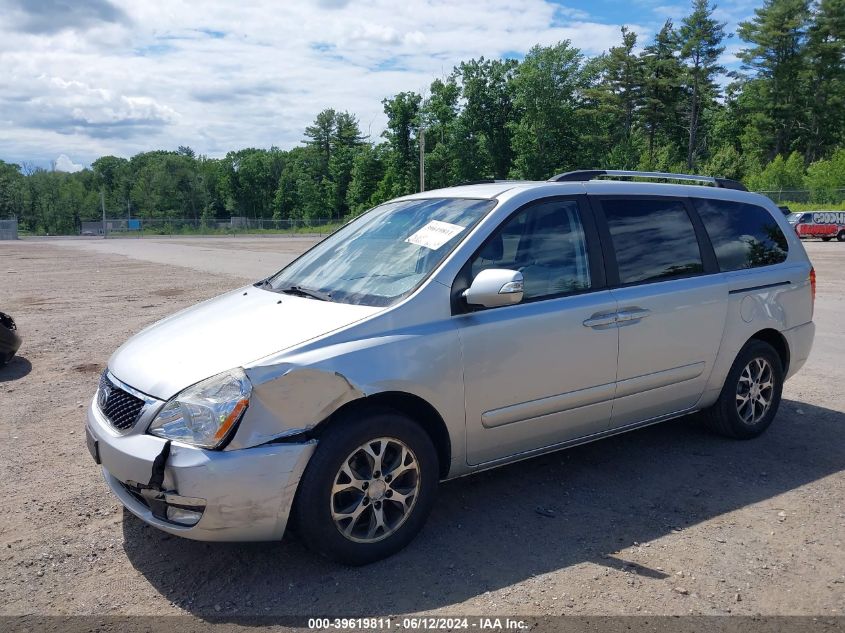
{"points": [[448, 332]]}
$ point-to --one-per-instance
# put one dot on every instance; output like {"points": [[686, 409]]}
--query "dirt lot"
{"points": [[666, 520]]}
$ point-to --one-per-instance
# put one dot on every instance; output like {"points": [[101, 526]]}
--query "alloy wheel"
{"points": [[754, 391], [375, 490]]}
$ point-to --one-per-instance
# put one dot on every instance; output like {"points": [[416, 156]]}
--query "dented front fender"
{"points": [[287, 400]]}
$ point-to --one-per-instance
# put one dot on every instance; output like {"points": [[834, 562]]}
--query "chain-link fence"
{"points": [[9, 229], [140, 227], [785, 196]]}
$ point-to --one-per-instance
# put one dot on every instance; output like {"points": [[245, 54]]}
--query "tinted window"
{"points": [[546, 243], [653, 239], [743, 235]]}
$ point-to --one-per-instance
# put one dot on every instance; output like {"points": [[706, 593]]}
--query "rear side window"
{"points": [[743, 235], [652, 239]]}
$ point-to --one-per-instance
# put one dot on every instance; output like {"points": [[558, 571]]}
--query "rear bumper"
{"points": [[244, 495], [800, 342]]}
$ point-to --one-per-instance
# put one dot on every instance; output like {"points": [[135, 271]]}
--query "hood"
{"points": [[225, 332]]}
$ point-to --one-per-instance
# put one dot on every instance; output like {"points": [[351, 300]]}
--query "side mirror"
{"points": [[495, 287]]}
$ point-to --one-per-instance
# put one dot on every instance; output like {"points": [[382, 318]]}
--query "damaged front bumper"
{"points": [[237, 495]]}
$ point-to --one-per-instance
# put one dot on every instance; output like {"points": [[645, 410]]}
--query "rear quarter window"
{"points": [[743, 235]]}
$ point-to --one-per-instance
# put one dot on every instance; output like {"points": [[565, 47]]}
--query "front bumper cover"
{"points": [[245, 494]]}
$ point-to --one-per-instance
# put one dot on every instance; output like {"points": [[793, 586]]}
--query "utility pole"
{"points": [[422, 158], [103, 205]]}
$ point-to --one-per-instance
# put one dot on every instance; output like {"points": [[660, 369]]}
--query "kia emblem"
{"points": [[103, 396]]}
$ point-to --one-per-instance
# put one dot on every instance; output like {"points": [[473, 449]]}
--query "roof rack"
{"points": [[592, 174], [483, 181]]}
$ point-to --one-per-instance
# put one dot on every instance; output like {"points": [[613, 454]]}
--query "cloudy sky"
{"points": [[84, 78]]}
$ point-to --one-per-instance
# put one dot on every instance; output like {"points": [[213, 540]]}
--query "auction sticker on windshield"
{"points": [[435, 234]]}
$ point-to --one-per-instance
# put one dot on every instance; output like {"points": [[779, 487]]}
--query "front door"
{"points": [[543, 371]]}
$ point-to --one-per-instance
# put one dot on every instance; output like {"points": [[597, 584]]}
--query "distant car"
{"points": [[87, 232], [822, 224], [10, 340]]}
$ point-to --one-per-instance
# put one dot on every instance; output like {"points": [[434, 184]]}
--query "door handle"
{"points": [[632, 314], [600, 320]]}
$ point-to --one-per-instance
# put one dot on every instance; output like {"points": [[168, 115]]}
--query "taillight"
{"points": [[813, 289]]}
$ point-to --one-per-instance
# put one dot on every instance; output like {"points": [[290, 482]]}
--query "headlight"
{"points": [[205, 414]]}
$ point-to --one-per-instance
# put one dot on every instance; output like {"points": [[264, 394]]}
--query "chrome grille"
{"points": [[120, 407]]}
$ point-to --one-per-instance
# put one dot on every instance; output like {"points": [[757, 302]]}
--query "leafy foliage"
{"points": [[779, 126]]}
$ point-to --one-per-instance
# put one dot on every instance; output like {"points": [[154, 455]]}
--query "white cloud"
{"points": [[119, 76], [64, 163]]}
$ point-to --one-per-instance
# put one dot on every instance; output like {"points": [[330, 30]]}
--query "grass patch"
{"points": [[799, 207]]}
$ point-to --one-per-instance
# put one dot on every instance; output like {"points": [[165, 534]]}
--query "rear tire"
{"points": [[751, 395], [841, 236], [369, 487]]}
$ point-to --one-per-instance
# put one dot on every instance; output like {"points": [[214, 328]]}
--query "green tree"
{"points": [[11, 190], [700, 37], [779, 175], [726, 162], [489, 110], [346, 142], [401, 134], [826, 178], [777, 38], [367, 173], [439, 116], [545, 90], [321, 135], [347, 131], [623, 76], [617, 94], [300, 192], [662, 74], [825, 78]]}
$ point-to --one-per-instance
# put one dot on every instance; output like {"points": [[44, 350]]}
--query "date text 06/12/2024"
{"points": [[419, 623]]}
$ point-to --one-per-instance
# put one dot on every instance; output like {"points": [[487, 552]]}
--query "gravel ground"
{"points": [[666, 520]]}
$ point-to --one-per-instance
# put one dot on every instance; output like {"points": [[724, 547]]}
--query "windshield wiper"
{"points": [[306, 292]]}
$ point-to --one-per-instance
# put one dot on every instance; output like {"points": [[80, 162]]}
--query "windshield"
{"points": [[792, 218], [383, 255]]}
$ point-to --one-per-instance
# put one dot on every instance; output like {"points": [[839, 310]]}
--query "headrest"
{"points": [[494, 249]]}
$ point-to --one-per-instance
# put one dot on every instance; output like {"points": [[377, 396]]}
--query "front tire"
{"points": [[751, 395], [827, 239], [369, 487]]}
